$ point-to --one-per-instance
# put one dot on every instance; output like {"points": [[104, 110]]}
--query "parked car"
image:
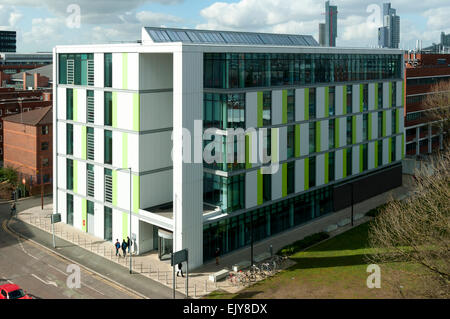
{"points": [[12, 291]]}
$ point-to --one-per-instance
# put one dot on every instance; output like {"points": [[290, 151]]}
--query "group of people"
{"points": [[125, 244]]}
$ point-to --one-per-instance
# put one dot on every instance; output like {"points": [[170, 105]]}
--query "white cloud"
{"points": [[9, 14]]}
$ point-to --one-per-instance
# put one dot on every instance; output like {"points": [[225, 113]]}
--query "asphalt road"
{"points": [[43, 274]]}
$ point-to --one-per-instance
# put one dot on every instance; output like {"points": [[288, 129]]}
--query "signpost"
{"points": [[55, 218], [176, 258]]}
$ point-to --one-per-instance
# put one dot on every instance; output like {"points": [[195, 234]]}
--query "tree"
{"points": [[9, 175], [438, 106], [417, 231]]}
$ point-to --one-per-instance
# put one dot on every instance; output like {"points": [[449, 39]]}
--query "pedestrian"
{"points": [[124, 248], [13, 208], [180, 269], [129, 244], [217, 254], [117, 245]]}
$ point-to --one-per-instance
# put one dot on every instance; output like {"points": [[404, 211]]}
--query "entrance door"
{"points": [[165, 246]]}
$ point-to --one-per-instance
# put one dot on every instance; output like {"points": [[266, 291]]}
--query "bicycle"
{"points": [[257, 271], [266, 269]]}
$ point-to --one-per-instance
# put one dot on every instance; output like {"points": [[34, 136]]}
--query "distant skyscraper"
{"points": [[322, 34], [389, 33], [330, 24], [7, 41]]}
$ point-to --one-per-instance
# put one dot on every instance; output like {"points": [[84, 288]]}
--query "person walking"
{"points": [[117, 245], [180, 269], [13, 208], [124, 248], [217, 254], [129, 244]]}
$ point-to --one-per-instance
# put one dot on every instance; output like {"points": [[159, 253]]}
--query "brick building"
{"points": [[16, 101], [423, 71], [28, 147]]}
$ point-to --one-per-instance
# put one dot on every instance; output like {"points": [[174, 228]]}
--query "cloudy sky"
{"points": [[42, 24]]}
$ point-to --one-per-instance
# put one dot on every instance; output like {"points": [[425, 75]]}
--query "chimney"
{"points": [[24, 78]]}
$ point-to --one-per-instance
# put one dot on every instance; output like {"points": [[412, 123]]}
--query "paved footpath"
{"points": [[99, 255]]}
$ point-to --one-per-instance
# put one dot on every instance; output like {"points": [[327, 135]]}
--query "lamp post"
{"points": [[128, 169]]}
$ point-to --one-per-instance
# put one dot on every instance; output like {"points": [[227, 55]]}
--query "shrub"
{"points": [[9, 175], [303, 244]]}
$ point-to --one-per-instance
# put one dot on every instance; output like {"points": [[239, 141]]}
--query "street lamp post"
{"points": [[129, 169]]}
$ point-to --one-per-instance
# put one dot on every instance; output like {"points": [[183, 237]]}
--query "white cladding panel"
{"points": [[62, 205], [299, 175], [251, 106], [339, 98], [81, 105], [320, 170], [156, 189], [155, 151], [300, 105], [61, 137], [304, 139], [81, 178], [320, 102], [251, 189], [77, 141], [156, 111], [277, 183], [99, 67], [99, 107], [156, 71], [77, 208], [371, 96], [99, 220], [338, 166], [277, 107], [62, 172], [99, 183], [355, 160], [61, 100]]}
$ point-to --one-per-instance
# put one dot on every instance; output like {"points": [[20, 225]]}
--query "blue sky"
{"points": [[45, 23]]}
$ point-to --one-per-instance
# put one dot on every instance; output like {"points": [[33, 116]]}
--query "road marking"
{"points": [[52, 283]]}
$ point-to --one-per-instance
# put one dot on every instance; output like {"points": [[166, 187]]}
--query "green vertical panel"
{"points": [[376, 96], [390, 149], [125, 218], [361, 97], [361, 158], [284, 106], [275, 146], [384, 123], [390, 94], [369, 124], [336, 133], [306, 174], [297, 140], [114, 187], [284, 177], [83, 142], [248, 148], [260, 187], [124, 150], [306, 104], [376, 154], [75, 176], [75, 105], [136, 112], [327, 101], [136, 194], [397, 122], [344, 102], [318, 136], [114, 109], [326, 168], [83, 214], [344, 163], [353, 129], [124, 71], [260, 109]]}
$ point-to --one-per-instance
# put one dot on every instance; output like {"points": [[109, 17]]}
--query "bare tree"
{"points": [[416, 231], [438, 106]]}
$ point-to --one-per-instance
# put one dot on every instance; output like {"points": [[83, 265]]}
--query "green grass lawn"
{"points": [[336, 268]]}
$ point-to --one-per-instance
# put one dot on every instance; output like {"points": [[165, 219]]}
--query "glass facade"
{"points": [[226, 193], [290, 106], [243, 70], [69, 177], [236, 232], [69, 104], [69, 139], [108, 109], [69, 209], [76, 69], [290, 141], [108, 147], [224, 111], [267, 108], [108, 69], [108, 222]]}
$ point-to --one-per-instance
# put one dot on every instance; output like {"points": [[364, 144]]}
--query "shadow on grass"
{"points": [[328, 262]]}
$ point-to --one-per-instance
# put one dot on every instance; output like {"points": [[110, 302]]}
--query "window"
{"points": [[291, 106], [380, 124], [44, 130], [90, 143], [290, 141], [108, 70], [44, 146], [69, 139], [90, 106], [349, 161], [365, 127], [69, 104], [312, 171], [380, 153], [267, 108], [291, 177], [108, 109], [312, 103], [107, 224], [365, 151], [394, 95], [224, 110], [331, 168], [331, 100], [380, 95], [227, 193], [349, 130], [69, 199], [76, 69], [393, 141], [108, 186], [312, 138], [69, 164], [394, 122], [108, 147], [331, 137], [365, 97], [267, 187], [349, 99], [45, 162], [90, 180]]}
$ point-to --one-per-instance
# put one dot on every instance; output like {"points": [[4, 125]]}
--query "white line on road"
{"points": [[45, 282]]}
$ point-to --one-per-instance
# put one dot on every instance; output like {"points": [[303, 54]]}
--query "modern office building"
{"points": [[328, 31], [7, 41], [442, 47], [389, 33], [423, 71], [328, 118]]}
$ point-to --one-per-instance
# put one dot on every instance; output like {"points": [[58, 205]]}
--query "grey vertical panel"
{"points": [[398, 148], [342, 131], [389, 122], [385, 95], [320, 169], [304, 139], [359, 128], [283, 143], [355, 98], [338, 166], [251, 113], [277, 183], [371, 96], [251, 189], [299, 176], [375, 125], [355, 160], [399, 93], [339, 98], [324, 138], [300, 105], [320, 102], [402, 120], [277, 107], [371, 155], [385, 151]]}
